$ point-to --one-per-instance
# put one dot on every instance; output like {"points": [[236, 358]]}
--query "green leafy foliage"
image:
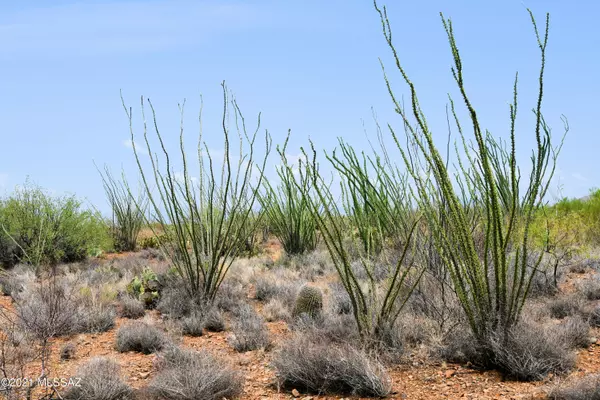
{"points": [[45, 230]]}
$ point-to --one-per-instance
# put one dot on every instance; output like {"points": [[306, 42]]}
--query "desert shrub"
{"points": [[566, 306], [141, 337], [213, 213], [591, 288], [48, 230], [435, 300], [131, 308], [594, 317], [460, 346], [326, 368], [193, 324], [587, 210], [99, 379], [175, 303], [127, 211], [339, 300], [10, 252], [47, 310], [230, 296], [587, 388], [249, 331], [573, 332], [287, 210], [265, 288], [543, 283], [12, 283], [213, 320], [152, 254], [524, 352], [309, 301], [418, 329], [185, 374], [335, 328], [96, 319], [150, 242], [309, 266], [275, 310], [67, 351], [478, 217]]}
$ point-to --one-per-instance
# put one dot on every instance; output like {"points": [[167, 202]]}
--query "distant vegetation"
{"points": [[411, 254]]}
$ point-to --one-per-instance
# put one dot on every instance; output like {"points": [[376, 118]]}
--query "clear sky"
{"points": [[309, 66]]}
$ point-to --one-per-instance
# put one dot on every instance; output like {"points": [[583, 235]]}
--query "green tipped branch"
{"points": [[207, 217], [128, 213], [491, 283], [287, 210]]}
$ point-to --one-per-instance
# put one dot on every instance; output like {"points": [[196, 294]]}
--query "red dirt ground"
{"points": [[417, 381]]}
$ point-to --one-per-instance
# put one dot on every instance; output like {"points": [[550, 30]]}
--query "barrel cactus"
{"points": [[309, 301]]}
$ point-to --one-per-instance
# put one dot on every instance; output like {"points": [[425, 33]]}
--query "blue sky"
{"points": [[309, 66]]}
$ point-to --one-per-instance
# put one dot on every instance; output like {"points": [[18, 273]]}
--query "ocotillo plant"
{"points": [[128, 213], [492, 285], [375, 304], [374, 195], [207, 216], [287, 211]]}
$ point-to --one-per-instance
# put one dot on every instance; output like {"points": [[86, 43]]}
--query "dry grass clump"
{"points": [[326, 368], [99, 379], [47, 310], [591, 288], [275, 310], [141, 337], [213, 320], [329, 327], [271, 286], [185, 374], [131, 308], [230, 295], [96, 319], [526, 352], [249, 331], [565, 306], [193, 325], [587, 388], [572, 332]]}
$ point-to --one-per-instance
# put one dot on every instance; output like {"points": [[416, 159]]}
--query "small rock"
{"points": [[144, 375], [450, 373], [295, 393]]}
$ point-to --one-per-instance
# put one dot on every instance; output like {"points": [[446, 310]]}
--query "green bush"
{"points": [[128, 213], [145, 288], [45, 230], [287, 210]]}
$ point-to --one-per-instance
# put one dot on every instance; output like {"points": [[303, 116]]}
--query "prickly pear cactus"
{"points": [[146, 288], [309, 301]]}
